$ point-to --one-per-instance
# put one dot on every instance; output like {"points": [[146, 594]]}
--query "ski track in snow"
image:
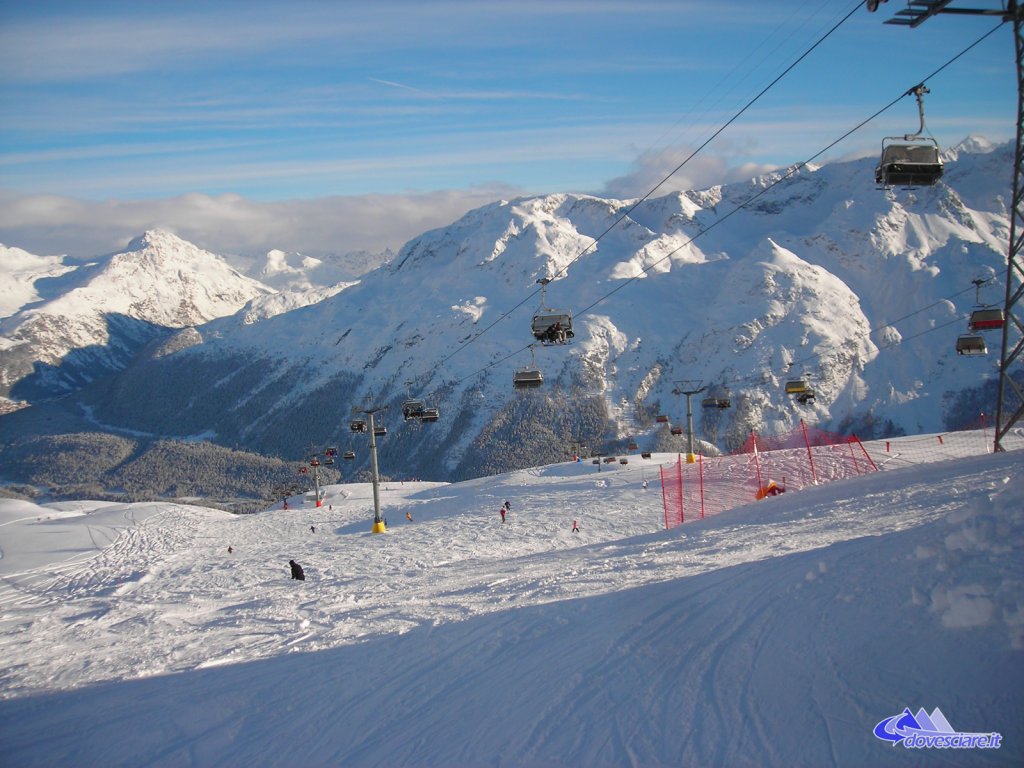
{"points": [[754, 637], [173, 574]]}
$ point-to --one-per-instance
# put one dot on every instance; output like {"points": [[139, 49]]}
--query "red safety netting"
{"points": [[973, 439], [764, 466]]}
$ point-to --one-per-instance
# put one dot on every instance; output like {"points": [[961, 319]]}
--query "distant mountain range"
{"points": [[859, 291]]}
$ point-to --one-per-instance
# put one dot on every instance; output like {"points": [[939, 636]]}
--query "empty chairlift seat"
{"points": [[430, 414], [527, 378], [796, 387], [988, 319], [909, 164], [969, 344]]}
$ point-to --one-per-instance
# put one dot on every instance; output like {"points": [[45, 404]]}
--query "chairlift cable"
{"points": [[657, 186], [804, 361], [784, 177]]}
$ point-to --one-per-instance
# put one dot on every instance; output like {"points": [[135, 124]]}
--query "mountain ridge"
{"points": [[734, 286]]}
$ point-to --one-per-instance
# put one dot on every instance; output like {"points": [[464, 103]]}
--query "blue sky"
{"points": [[119, 108]]}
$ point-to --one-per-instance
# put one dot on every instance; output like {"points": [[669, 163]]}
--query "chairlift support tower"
{"points": [[915, 14], [689, 388], [379, 526]]}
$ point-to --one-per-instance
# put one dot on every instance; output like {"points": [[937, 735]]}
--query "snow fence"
{"points": [[763, 466]]}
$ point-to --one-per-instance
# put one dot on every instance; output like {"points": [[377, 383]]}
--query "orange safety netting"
{"points": [[765, 466]]}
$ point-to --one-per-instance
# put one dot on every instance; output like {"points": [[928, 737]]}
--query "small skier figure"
{"points": [[312, 528], [230, 550], [575, 527], [645, 483], [297, 572], [508, 506], [503, 510], [408, 517]]}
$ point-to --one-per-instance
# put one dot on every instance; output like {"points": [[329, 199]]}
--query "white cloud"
{"points": [[233, 225], [703, 170]]}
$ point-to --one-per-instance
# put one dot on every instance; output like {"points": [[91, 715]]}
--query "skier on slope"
{"points": [[297, 572]]}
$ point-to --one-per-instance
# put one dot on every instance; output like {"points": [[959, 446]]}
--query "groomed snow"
{"points": [[778, 633]]}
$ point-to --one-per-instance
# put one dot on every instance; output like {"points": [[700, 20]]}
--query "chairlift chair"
{"points": [[797, 387], [380, 430], [528, 377], [358, 425], [807, 396], [430, 414], [661, 419], [413, 409], [911, 160], [551, 326], [718, 400], [988, 319], [677, 430], [971, 344], [349, 455]]}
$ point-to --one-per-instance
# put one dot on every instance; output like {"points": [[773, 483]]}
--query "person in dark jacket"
{"points": [[297, 571]]}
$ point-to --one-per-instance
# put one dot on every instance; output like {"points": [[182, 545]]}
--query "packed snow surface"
{"points": [[777, 633]]}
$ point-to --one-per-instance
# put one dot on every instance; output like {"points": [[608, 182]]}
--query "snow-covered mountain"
{"points": [[296, 272], [66, 324], [861, 291]]}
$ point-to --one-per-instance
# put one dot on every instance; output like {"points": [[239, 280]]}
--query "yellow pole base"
{"points": [[379, 527], [691, 458]]}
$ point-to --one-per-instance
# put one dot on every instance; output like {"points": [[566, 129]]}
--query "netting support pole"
{"points": [[700, 470], [810, 457], [679, 469], [757, 460], [664, 495]]}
